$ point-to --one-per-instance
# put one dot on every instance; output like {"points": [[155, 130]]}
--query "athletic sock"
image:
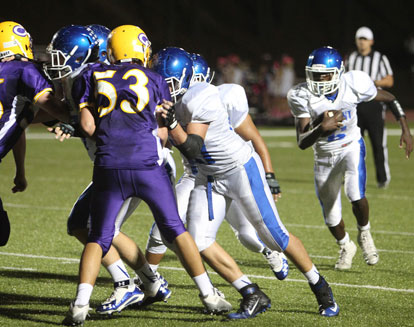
{"points": [[241, 282], [83, 294], [204, 284], [154, 267], [312, 275], [118, 271], [344, 240], [366, 227]]}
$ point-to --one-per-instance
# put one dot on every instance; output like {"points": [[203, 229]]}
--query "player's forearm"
{"points": [[19, 154], [307, 139], [404, 126], [261, 149], [87, 123], [56, 108]]}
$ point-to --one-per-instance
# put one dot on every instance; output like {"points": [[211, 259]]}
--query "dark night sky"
{"points": [[248, 28]]}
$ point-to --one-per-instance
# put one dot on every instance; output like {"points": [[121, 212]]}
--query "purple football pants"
{"points": [[113, 186]]}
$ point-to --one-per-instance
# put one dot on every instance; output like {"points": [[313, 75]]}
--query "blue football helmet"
{"points": [[101, 33], [202, 72], [176, 66], [324, 61], [71, 47]]}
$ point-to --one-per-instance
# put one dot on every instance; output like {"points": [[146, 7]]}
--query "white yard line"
{"points": [[373, 287], [18, 268]]}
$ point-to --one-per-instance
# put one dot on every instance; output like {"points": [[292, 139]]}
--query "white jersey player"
{"points": [[234, 99], [228, 170], [325, 111]]}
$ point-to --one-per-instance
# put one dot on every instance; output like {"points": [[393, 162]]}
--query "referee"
{"points": [[371, 115]]}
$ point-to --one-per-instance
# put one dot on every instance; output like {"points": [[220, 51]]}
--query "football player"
{"points": [[234, 98], [124, 96], [23, 90], [228, 170], [80, 43], [325, 111]]}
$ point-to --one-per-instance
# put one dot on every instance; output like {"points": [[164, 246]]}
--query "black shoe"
{"points": [[326, 301], [254, 302]]}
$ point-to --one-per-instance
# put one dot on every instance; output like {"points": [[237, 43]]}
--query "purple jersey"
{"points": [[21, 84], [125, 97]]}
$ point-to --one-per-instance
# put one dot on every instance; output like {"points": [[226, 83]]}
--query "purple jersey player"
{"points": [[118, 108], [22, 85]]}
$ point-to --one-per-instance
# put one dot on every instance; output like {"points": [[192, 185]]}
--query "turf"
{"points": [[36, 290]]}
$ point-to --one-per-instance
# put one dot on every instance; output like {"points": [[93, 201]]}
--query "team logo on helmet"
{"points": [[19, 30], [143, 38]]}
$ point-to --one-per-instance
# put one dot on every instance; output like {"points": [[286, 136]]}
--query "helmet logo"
{"points": [[19, 30], [143, 38]]}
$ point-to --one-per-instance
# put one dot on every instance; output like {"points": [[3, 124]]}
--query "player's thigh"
{"points": [[182, 191], [251, 192], [329, 174], [202, 227], [154, 187], [355, 173]]}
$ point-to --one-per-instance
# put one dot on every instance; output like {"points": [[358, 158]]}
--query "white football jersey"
{"points": [[355, 87], [234, 99], [223, 149]]}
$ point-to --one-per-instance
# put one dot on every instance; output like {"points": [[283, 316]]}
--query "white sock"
{"points": [[204, 284], [366, 227], [83, 294], [344, 240], [146, 274], [118, 271], [154, 267], [241, 282], [312, 275]]}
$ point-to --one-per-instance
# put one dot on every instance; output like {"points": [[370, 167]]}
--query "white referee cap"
{"points": [[364, 32]]}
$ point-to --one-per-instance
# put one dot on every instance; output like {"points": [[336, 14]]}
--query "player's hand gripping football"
{"points": [[332, 121]]}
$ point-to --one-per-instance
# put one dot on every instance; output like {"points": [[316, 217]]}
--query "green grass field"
{"points": [[39, 265]]}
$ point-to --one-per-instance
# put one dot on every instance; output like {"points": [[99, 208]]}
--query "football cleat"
{"points": [[76, 315], [162, 294], [367, 245], [278, 263], [327, 305], [346, 253], [121, 297], [215, 303], [254, 302]]}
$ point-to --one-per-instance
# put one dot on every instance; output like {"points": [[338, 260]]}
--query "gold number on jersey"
{"points": [[108, 90], [140, 90]]}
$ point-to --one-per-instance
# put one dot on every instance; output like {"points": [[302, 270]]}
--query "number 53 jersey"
{"points": [[125, 97], [355, 87]]}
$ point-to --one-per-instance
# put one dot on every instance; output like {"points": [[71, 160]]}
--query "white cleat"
{"points": [[367, 245], [215, 303], [76, 315], [346, 253]]}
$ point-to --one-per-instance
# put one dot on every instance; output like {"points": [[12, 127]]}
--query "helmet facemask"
{"points": [[176, 85], [62, 65], [323, 87]]}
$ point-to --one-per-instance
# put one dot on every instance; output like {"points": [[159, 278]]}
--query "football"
{"points": [[331, 113]]}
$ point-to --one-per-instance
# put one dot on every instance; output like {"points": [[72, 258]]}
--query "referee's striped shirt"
{"points": [[376, 65]]}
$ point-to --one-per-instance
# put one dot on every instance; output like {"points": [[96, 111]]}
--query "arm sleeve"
{"points": [[34, 83], [362, 85], [298, 102]]}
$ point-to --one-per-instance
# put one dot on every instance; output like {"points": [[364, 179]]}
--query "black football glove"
{"points": [[273, 183], [170, 121]]}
